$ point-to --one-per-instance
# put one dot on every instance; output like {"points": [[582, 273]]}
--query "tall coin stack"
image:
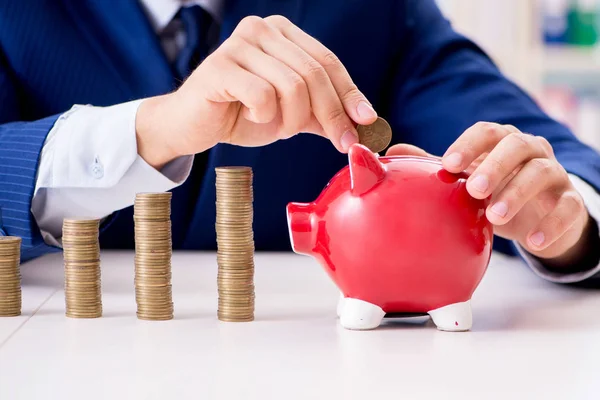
{"points": [[235, 241], [10, 276], [153, 251], [81, 252]]}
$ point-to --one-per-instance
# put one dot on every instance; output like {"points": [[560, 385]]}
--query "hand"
{"points": [[533, 200], [268, 81]]}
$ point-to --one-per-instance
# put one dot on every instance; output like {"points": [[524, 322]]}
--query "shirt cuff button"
{"points": [[97, 169]]}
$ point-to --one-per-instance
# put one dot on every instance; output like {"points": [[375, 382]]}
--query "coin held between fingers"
{"points": [[376, 136]]}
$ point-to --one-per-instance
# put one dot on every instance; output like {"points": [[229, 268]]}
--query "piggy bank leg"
{"points": [[453, 317], [360, 315], [340, 305]]}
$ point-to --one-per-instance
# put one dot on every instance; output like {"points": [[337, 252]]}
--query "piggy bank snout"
{"points": [[300, 225]]}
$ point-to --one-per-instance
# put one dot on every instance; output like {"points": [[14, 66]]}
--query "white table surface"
{"points": [[531, 339]]}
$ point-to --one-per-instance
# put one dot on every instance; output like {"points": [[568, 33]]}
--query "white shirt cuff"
{"points": [[89, 167], [591, 199]]}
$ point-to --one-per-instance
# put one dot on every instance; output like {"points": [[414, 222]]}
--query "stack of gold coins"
{"points": [[10, 276], [81, 252], [153, 251], [235, 241]]}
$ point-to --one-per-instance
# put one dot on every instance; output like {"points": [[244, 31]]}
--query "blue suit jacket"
{"points": [[426, 80]]}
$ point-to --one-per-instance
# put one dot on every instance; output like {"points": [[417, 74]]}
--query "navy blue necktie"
{"points": [[197, 24]]}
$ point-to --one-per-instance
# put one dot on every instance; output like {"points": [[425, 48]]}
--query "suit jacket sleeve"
{"points": [[20, 146], [442, 76]]}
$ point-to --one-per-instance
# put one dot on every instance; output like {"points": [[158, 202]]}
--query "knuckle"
{"points": [[511, 128], [278, 20], [295, 87], [546, 146], [263, 95], [519, 141], [542, 166], [574, 202], [351, 92], [335, 114], [234, 44], [486, 127], [315, 71], [490, 130], [331, 60], [496, 165], [516, 191], [252, 25]]}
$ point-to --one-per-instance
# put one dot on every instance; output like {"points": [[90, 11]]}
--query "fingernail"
{"points": [[480, 183], [454, 160], [364, 110], [537, 238], [348, 139], [500, 209]]}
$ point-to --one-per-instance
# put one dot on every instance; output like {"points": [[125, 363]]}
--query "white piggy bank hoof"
{"points": [[360, 315], [455, 317]]}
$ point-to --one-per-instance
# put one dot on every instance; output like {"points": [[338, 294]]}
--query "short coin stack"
{"points": [[153, 251], [10, 276], [235, 241], [81, 252]]}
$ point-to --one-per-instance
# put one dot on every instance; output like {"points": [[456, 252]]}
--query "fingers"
{"points": [[237, 84], [290, 87], [554, 225], [325, 103], [538, 175], [407, 150], [508, 155], [477, 139], [355, 103]]}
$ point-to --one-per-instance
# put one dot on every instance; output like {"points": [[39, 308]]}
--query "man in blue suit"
{"points": [[100, 100]]}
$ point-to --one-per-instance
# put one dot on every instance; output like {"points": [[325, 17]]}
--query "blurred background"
{"points": [[551, 48]]}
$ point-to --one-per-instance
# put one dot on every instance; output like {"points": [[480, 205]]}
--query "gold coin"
{"points": [[242, 316], [165, 290], [155, 309], [235, 263], [236, 300], [9, 253], [376, 136], [149, 294], [232, 266], [235, 243], [10, 312], [152, 318], [8, 240], [163, 277], [150, 244], [80, 315]]}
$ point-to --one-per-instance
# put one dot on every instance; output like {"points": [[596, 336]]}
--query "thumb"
{"points": [[407, 150]]}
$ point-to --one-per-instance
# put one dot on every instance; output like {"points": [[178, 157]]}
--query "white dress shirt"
{"points": [[90, 167]]}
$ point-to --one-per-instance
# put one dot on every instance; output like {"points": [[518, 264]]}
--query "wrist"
{"points": [[151, 143]]}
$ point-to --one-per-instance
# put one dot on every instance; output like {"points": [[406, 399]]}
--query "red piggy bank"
{"points": [[397, 235]]}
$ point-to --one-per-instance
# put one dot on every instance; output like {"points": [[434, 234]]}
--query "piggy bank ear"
{"points": [[365, 169]]}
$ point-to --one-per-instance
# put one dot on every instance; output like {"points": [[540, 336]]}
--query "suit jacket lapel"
{"points": [[121, 34]]}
